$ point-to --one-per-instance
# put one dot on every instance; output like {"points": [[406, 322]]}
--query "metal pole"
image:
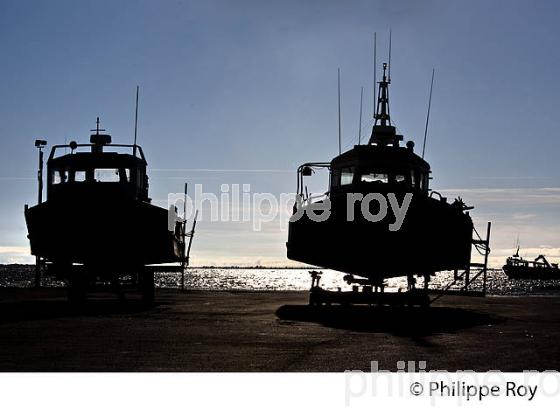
{"points": [[486, 253], [184, 261], [39, 201], [40, 177], [428, 114], [191, 236], [136, 121], [390, 41], [339, 129], [374, 73], [360, 129]]}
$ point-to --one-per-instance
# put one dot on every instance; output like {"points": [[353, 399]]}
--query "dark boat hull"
{"points": [[116, 233], [522, 272], [435, 236]]}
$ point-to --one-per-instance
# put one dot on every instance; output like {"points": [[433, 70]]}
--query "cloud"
{"points": [[15, 254], [14, 250], [529, 252], [521, 216], [517, 196]]}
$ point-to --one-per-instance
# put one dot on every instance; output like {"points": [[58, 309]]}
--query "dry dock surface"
{"points": [[272, 331]]}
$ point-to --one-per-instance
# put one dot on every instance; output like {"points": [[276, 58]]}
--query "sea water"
{"points": [[275, 279]]}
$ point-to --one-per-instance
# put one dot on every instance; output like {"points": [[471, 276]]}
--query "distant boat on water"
{"points": [[540, 268]]}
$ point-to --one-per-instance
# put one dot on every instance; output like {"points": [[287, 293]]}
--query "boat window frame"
{"points": [[336, 175], [376, 177], [348, 172], [59, 172], [126, 179], [420, 179], [80, 171], [398, 177]]}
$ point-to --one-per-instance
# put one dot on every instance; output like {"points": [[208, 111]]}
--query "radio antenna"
{"points": [[374, 72], [136, 121], [339, 126], [360, 129], [428, 114], [389, 73]]}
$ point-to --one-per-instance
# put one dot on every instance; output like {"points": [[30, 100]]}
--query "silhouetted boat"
{"points": [[518, 268], [98, 220], [436, 235]]}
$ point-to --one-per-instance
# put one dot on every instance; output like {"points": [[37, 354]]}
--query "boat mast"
{"points": [[382, 112], [383, 132]]}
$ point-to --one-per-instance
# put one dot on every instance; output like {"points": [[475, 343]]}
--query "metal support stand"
{"points": [[369, 294], [481, 269], [187, 248], [315, 278], [477, 269], [38, 272]]}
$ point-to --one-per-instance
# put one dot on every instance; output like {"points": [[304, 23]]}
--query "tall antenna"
{"points": [[360, 129], [389, 73], [339, 127], [136, 121], [428, 114], [374, 72]]}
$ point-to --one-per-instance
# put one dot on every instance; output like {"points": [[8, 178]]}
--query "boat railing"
{"points": [[436, 193], [133, 149], [308, 169], [311, 199]]}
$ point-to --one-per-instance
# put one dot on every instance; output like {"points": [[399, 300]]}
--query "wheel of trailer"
{"points": [[147, 286]]}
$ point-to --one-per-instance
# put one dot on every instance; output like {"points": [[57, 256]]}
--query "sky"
{"points": [[242, 92]]}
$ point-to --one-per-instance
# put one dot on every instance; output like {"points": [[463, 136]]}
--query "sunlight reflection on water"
{"points": [[293, 280], [299, 279]]}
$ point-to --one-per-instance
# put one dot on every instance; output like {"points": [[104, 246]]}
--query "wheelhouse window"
{"points": [[79, 176], [375, 177], [59, 176], [111, 175], [346, 176], [424, 182], [383, 178], [419, 180], [343, 176]]}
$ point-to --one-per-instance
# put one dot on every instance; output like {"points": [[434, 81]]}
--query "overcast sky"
{"points": [[245, 91]]}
